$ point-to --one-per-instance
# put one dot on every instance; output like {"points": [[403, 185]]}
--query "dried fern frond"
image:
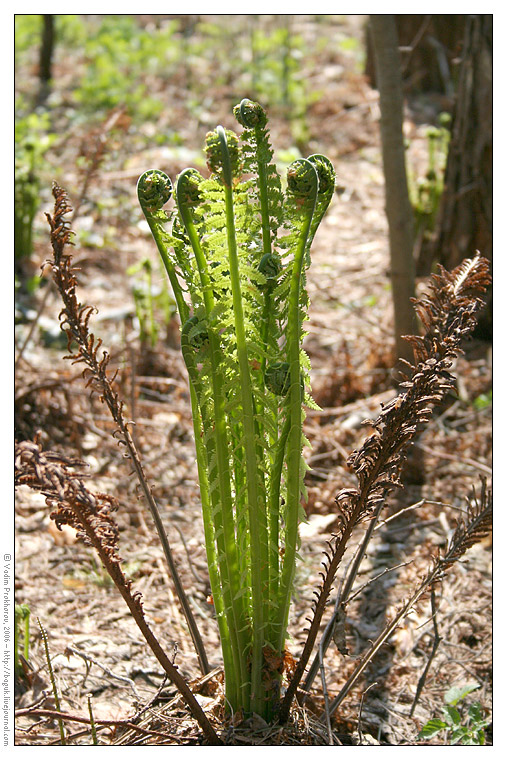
{"points": [[448, 314], [470, 530], [84, 348], [92, 515]]}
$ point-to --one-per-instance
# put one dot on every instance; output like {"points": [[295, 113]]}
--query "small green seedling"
{"points": [[149, 303], [21, 624], [242, 247], [460, 726]]}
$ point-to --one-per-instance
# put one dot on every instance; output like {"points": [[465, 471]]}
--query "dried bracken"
{"points": [[448, 314], [84, 348], [91, 514]]}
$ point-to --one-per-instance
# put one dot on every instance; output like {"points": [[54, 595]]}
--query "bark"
{"points": [[398, 208], [46, 54], [465, 220]]}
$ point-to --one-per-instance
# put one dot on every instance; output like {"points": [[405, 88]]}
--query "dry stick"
{"points": [[34, 324], [76, 318], [91, 514], [343, 596], [92, 720], [91, 661], [78, 719], [136, 610], [324, 594], [436, 641], [325, 692], [382, 638], [360, 716]]}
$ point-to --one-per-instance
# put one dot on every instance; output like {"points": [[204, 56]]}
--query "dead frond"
{"points": [[84, 348], [73, 504], [448, 314]]}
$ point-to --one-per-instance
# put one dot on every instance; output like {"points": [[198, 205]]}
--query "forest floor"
{"points": [[95, 647]]}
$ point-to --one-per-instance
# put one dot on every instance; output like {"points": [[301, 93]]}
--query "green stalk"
{"points": [[309, 180], [224, 517], [257, 517], [204, 456], [52, 678]]}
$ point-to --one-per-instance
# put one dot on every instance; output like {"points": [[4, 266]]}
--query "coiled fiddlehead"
{"points": [[223, 154], [301, 178], [250, 114], [154, 188], [187, 188], [325, 173], [270, 266], [277, 378]]}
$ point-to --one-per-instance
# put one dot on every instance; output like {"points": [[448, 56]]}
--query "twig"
{"points": [[343, 596], [325, 692], [35, 321], [455, 458], [45, 713], [359, 717], [436, 641], [467, 533], [91, 514], [106, 670]]}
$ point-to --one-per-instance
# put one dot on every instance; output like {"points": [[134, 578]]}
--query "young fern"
{"points": [[242, 249]]}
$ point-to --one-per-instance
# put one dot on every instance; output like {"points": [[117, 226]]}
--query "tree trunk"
{"points": [[398, 208], [465, 220], [429, 45], [46, 54]]}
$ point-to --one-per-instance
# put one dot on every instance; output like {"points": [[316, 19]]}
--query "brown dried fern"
{"points": [[448, 314], [92, 515], [469, 531], [84, 348]]}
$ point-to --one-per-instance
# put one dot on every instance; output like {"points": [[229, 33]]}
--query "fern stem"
{"points": [[257, 517], [295, 398], [204, 456], [224, 516]]}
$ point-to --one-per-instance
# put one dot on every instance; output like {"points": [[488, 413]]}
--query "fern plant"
{"points": [[236, 256]]}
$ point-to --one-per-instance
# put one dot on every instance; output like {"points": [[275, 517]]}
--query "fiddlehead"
{"points": [[223, 155], [301, 180], [270, 266], [154, 189], [250, 114], [326, 176], [277, 378]]}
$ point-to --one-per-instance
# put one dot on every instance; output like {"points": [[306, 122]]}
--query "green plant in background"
{"points": [[116, 53], [460, 726], [149, 302], [276, 55], [242, 250], [21, 625], [425, 193], [32, 140]]}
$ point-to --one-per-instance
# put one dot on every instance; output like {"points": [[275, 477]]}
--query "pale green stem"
{"points": [[295, 412], [223, 517], [257, 517]]}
